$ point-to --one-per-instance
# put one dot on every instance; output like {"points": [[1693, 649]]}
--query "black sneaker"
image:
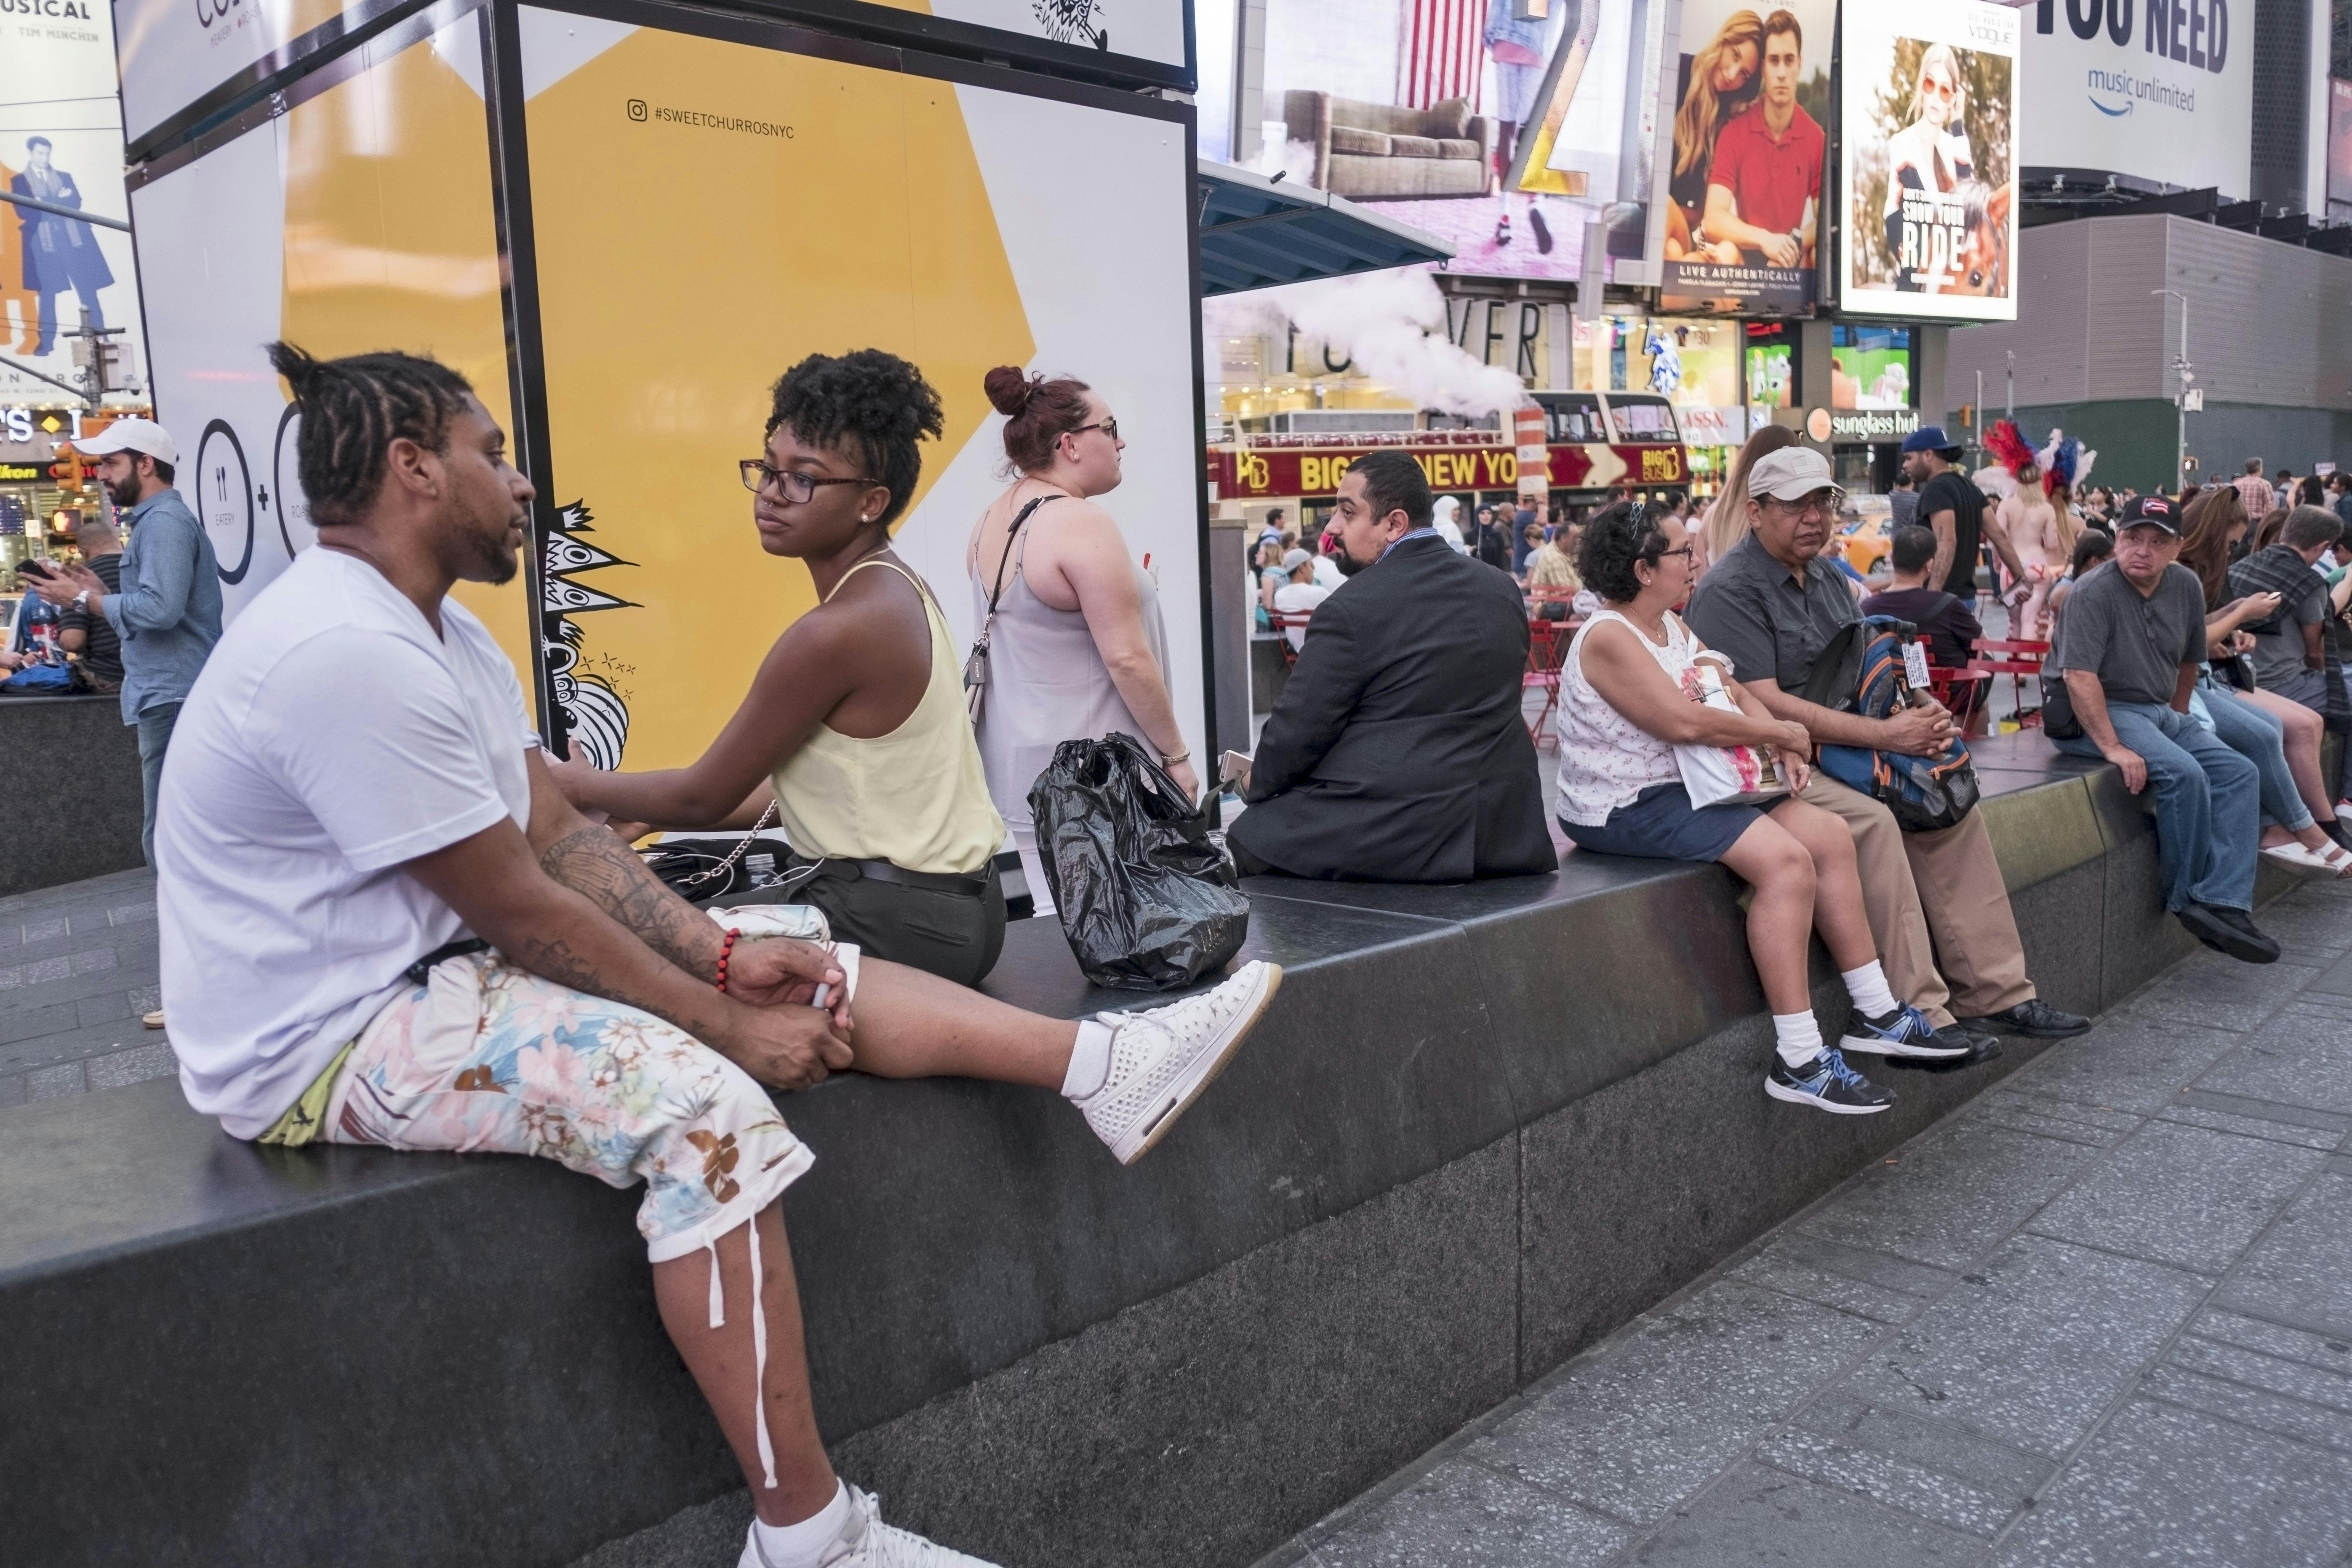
{"points": [[2339, 829], [1905, 1032], [2034, 1017], [1826, 1083], [2230, 932]]}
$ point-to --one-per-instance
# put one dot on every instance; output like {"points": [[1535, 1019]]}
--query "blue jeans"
{"points": [[2208, 803], [2310, 689], [2260, 739], [155, 736]]}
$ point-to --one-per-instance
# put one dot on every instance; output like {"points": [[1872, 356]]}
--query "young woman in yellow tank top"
{"points": [[855, 722]]}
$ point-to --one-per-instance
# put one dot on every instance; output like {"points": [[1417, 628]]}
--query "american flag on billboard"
{"points": [[1442, 52]]}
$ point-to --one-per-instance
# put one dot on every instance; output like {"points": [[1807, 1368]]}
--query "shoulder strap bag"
{"points": [[975, 665]]}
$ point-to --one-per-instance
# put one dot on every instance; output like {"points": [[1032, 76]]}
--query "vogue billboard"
{"points": [[1928, 181]]}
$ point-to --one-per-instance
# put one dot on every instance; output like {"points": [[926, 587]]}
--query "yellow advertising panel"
{"points": [[708, 215]]}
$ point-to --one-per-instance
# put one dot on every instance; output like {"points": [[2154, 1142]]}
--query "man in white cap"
{"points": [[1936, 902], [168, 610]]}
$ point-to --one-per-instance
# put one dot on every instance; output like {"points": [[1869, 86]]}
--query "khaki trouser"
{"points": [[1946, 883]]}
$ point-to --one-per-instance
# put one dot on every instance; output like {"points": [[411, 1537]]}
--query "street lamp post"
{"points": [[2180, 393]]}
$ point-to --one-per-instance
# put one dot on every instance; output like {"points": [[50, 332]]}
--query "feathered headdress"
{"points": [[2006, 446], [2064, 461]]}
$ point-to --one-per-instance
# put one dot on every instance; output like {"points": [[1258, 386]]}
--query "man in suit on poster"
{"points": [[1397, 752], [60, 253]]}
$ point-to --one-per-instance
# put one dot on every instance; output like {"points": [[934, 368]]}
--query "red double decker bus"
{"points": [[1597, 444]]}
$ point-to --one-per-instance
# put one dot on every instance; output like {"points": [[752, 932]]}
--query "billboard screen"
{"points": [[1929, 184], [1747, 158], [61, 142], [1503, 126], [2161, 94]]}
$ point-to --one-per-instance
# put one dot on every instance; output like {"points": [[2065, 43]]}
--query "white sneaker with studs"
{"points": [[1162, 1059]]}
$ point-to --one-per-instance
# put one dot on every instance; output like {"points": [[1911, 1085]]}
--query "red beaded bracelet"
{"points": [[728, 948]]}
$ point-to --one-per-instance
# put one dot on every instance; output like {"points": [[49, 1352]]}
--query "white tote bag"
{"points": [[1726, 776]]}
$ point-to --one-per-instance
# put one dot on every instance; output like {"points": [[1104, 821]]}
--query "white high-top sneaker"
{"points": [[868, 1542], [1161, 1060]]}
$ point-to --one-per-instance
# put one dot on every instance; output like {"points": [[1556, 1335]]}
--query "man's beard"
{"points": [[1349, 565], [125, 495], [486, 558]]}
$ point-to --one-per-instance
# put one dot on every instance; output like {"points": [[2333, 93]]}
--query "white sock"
{"points": [[1799, 1038], [1089, 1059], [802, 1545], [1867, 987]]}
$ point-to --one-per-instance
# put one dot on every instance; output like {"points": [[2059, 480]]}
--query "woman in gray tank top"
{"points": [[1075, 648]]}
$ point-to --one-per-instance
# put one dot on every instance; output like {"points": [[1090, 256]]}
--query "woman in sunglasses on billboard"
{"points": [[1075, 646], [853, 733]]}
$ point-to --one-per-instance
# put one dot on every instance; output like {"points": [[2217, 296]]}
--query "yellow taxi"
{"points": [[1866, 532]]}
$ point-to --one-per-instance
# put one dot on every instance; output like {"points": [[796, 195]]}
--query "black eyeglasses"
{"points": [[796, 488], [1686, 551], [1107, 426]]}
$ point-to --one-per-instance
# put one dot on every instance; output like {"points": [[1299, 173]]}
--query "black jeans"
{"points": [[954, 935]]}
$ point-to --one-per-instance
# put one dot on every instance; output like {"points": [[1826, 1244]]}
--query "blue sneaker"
{"points": [[1905, 1032], [1826, 1083]]}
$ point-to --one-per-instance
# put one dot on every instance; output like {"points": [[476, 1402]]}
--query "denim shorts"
{"points": [[1660, 824]]}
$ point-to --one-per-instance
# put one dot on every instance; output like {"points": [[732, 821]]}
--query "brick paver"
{"points": [[2102, 1314]]}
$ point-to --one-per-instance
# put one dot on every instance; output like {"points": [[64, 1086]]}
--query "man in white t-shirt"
{"points": [[1300, 595], [382, 923]]}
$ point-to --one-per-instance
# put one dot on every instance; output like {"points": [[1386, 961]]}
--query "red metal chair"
{"points": [[1284, 621], [1962, 691], [2017, 660], [1547, 649]]}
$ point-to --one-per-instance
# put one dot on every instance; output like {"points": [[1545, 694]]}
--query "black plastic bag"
{"points": [[1147, 902]]}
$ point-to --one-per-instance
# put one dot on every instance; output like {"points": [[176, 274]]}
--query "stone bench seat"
{"points": [[1481, 1126]]}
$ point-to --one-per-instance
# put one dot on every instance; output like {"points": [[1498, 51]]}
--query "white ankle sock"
{"points": [[1800, 1036], [1089, 1059], [1867, 987], [800, 1545]]}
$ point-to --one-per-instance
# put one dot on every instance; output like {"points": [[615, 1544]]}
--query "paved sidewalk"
{"points": [[77, 969], [2102, 1315]]}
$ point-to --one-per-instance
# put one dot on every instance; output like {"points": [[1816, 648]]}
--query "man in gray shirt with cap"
{"points": [[1938, 906], [2130, 644], [168, 610]]}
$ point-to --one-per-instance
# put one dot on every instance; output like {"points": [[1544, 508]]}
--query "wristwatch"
{"points": [[81, 600]]}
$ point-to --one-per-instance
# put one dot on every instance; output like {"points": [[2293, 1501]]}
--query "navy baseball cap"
{"points": [[2156, 512], [1929, 438]]}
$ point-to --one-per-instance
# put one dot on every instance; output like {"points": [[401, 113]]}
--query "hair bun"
{"points": [[1009, 390]]}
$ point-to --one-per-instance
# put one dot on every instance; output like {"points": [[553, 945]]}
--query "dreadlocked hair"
{"points": [[871, 406], [353, 408]]}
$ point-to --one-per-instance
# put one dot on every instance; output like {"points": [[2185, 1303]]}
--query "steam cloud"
{"points": [[1393, 324]]}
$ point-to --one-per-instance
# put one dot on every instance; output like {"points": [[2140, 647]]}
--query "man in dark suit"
{"points": [[1397, 753]]}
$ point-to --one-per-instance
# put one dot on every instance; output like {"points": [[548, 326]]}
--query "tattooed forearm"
{"points": [[597, 865]]}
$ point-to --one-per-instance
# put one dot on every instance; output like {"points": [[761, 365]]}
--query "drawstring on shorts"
{"points": [[758, 1345]]}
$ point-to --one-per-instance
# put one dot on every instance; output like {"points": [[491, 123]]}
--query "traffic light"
{"points": [[69, 470]]}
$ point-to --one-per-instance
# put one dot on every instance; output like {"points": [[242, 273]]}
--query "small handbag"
{"points": [[975, 665]]}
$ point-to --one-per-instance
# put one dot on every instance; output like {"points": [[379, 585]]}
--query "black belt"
{"points": [[465, 944], [974, 886]]}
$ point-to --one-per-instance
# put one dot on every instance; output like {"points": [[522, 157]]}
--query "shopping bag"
{"points": [[1724, 775], [1147, 902]]}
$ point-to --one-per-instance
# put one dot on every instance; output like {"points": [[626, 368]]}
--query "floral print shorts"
{"points": [[485, 1058]]}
